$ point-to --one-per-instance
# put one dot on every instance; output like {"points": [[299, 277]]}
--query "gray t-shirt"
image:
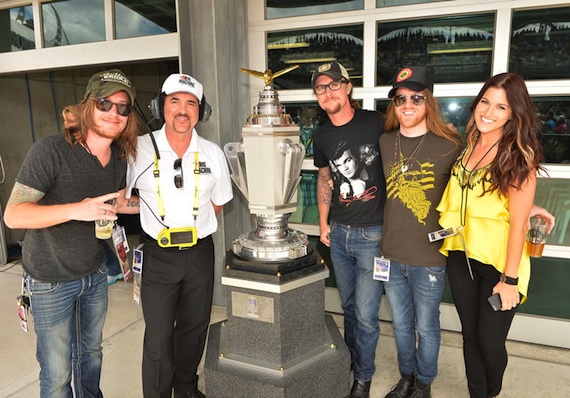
{"points": [[66, 174]]}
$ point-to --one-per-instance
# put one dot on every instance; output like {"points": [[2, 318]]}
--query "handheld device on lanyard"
{"points": [[176, 237]]}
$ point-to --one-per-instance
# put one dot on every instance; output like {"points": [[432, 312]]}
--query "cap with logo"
{"points": [[108, 82], [334, 70], [416, 78], [180, 83]]}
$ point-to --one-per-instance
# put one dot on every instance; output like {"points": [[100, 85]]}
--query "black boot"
{"points": [[360, 389], [421, 390], [404, 387]]}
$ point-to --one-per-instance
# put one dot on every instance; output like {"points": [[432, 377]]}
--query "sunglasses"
{"points": [[178, 178], [104, 105], [335, 85], [417, 99]]}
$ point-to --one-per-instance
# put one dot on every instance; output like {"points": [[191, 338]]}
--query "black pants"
{"points": [[484, 330], [176, 294]]}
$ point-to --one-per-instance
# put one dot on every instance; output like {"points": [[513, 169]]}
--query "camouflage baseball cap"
{"points": [[108, 82]]}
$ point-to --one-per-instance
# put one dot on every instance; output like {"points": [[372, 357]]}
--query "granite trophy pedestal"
{"points": [[277, 341]]}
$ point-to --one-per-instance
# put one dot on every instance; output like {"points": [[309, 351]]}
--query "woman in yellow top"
{"points": [[488, 199]]}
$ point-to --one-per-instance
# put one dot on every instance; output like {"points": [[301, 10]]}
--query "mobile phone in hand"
{"points": [[495, 301]]}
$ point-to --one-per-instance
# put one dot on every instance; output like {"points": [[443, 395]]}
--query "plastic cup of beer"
{"points": [[104, 228], [536, 238]]}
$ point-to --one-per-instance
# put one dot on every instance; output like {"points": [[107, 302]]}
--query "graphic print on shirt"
{"points": [[469, 179], [408, 182], [350, 172]]}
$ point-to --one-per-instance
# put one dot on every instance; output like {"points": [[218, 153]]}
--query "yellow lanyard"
{"points": [[156, 174]]}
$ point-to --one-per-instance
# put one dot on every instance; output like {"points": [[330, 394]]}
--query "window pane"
{"points": [[458, 49], [16, 29], [309, 48], [293, 8], [554, 113], [539, 46], [73, 22], [135, 18], [554, 195], [391, 3]]}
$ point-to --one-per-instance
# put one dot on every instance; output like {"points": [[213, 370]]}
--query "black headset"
{"points": [[156, 107]]}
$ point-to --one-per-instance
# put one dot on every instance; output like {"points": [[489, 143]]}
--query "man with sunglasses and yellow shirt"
{"points": [[183, 182], [60, 191]]}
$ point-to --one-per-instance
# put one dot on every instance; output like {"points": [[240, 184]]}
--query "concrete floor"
{"points": [[534, 371]]}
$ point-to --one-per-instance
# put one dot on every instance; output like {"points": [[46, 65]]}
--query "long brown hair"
{"points": [[434, 122], [519, 152], [127, 141]]}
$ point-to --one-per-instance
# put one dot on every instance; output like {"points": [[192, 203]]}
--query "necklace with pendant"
{"points": [[397, 145], [467, 182]]}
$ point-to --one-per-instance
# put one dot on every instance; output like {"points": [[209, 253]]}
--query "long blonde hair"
{"points": [[74, 134], [434, 121]]}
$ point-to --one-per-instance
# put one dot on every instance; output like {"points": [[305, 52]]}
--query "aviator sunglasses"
{"points": [[178, 178], [104, 105], [417, 99]]}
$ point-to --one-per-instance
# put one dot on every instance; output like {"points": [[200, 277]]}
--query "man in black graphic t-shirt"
{"points": [[347, 145]]}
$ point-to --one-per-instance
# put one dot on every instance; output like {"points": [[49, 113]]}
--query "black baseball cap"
{"points": [[332, 69], [416, 78]]}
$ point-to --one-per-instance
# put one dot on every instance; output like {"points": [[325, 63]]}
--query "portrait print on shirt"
{"points": [[351, 174]]}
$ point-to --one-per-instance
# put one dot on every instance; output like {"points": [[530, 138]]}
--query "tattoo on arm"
{"points": [[133, 203], [324, 191], [23, 194]]}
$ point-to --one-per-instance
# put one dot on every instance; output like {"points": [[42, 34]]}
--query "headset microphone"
{"points": [[156, 107]]}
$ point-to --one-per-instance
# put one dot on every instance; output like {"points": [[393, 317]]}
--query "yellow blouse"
{"points": [[485, 222]]}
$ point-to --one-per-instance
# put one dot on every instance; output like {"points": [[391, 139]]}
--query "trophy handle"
{"points": [[235, 154], [294, 154]]}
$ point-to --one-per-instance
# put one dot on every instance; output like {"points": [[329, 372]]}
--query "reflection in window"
{"points": [[309, 48], [293, 8], [16, 29], [554, 113], [134, 18], [458, 48], [539, 45], [73, 22], [554, 195]]}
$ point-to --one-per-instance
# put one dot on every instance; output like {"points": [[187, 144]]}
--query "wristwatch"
{"points": [[508, 280]]}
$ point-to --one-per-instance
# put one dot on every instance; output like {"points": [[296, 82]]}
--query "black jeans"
{"points": [[176, 294], [484, 330]]}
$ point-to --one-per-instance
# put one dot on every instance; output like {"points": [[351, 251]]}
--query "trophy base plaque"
{"points": [[277, 341]]}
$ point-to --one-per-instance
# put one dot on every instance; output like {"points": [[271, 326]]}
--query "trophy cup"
{"points": [[277, 340], [266, 168]]}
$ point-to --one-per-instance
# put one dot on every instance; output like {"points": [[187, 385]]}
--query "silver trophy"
{"points": [[266, 167]]}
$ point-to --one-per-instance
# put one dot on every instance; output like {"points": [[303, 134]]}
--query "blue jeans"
{"points": [[352, 253], [414, 294], [68, 320]]}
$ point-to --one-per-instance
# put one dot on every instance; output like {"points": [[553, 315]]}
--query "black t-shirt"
{"points": [[414, 185], [353, 155], [66, 174]]}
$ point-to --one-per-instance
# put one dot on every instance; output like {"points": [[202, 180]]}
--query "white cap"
{"points": [[179, 83]]}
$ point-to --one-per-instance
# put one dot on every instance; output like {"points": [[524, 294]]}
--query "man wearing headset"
{"points": [[183, 182]]}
